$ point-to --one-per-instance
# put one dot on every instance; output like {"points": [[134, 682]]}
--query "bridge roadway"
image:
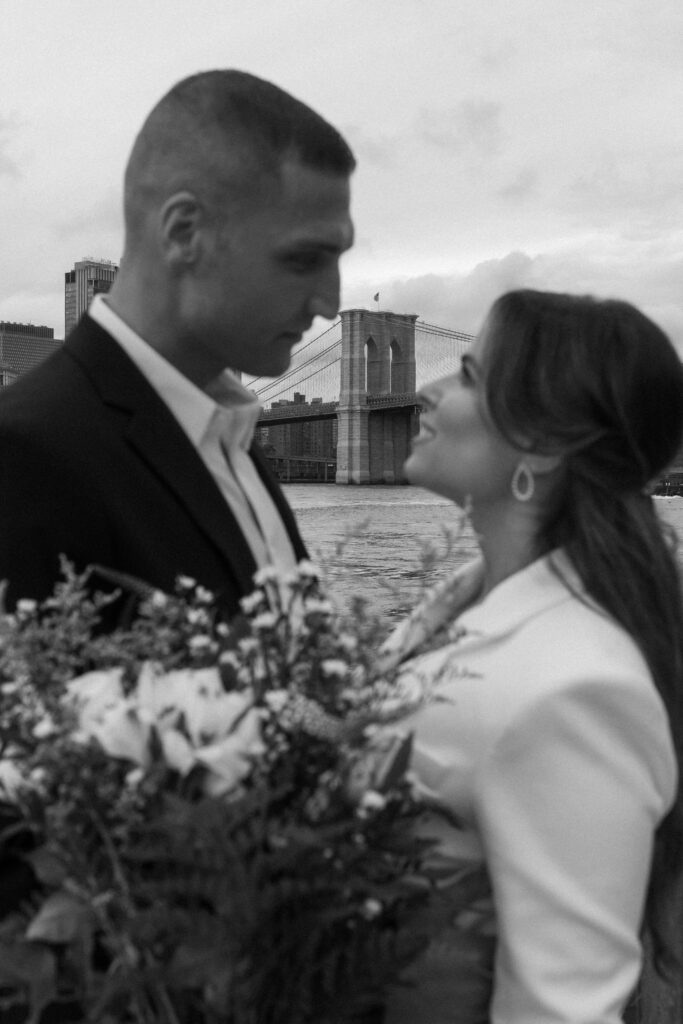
{"points": [[302, 411]]}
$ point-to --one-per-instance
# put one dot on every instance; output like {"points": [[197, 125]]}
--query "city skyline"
{"points": [[529, 145]]}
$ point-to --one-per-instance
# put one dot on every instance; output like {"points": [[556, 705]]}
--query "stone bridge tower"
{"points": [[377, 362]]}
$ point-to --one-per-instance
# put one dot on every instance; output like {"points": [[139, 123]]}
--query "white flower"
{"points": [[159, 599], [121, 733], [134, 777], [334, 667], [186, 582], [177, 751], [372, 801], [228, 761], [26, 606], [197, 695], [268, 574], [157, 693], [276, 700], [9, 688], [252, 601], [210, 719], [316, 605], [371, 908], [198, 643], [45, 728], [95, 693], [230, 658], [248, 646], [347, 642], [204, 595], [11, 779], [308, 570], [266, 620]]}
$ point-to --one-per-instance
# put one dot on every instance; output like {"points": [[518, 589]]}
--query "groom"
{"points": [[131, 447]]}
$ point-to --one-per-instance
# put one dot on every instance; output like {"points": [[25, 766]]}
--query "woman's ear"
{"points": [[180, 227], [543, 464]]}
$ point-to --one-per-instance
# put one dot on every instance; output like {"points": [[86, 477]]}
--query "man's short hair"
{"points": [[224, 132]]}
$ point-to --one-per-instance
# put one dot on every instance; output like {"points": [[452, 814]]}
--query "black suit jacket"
{"points": [[93, 465]]}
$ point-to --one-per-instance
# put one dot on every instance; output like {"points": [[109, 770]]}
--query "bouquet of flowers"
{"points": [[216, 817]]}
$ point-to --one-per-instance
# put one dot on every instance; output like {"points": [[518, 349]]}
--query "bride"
{"points": [[558, 656]]}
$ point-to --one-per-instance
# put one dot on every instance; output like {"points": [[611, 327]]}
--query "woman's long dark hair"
{"points": [[599, 382]]}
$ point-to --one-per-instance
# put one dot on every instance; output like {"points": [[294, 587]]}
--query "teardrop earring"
{"points": [[522, 484]]}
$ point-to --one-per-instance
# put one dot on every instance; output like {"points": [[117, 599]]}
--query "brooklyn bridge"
{"points": [[346, 409]]}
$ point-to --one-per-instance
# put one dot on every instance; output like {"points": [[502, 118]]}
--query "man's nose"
{"points": [[326, 298]]}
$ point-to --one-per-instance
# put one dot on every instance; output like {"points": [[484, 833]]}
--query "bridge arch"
{"points": [[377, 361]]}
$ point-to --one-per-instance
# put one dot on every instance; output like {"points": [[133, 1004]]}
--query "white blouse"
{"points": [[553, 748]]}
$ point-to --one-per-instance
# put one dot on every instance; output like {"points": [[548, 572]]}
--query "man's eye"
{"points": [[302, 262]]}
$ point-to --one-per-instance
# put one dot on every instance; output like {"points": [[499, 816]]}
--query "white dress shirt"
{"points": [[220, 423], [553, 748]]}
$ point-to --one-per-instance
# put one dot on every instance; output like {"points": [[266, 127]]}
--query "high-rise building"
{"points": [[88, 278], [23, 346]]}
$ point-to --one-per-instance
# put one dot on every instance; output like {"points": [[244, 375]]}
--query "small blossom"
{"points": [[26, 606], [248, 646], [251, 602], [347, 642], [203, 595], [9, 688], [371, 908], [230, 658], [197, 616], [266, 620], [276, 700], [373, 801], [186, 582], [335, 667], [11, 779], [45, 728], [37, 776], [319, 606], [200, 643], [159, 599], [134, 777], [308, 570], [268, 574]]}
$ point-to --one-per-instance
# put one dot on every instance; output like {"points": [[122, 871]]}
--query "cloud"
{"points": [[101, 218], [8, 166], [648, 277], [522, 186], [472, 125]]}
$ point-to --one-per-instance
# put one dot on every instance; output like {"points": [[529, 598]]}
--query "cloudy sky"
{"points": [[500, 142]]}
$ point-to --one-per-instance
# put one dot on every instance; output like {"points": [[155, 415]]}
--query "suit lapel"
{"points": [[275, 491], [157, 438]]}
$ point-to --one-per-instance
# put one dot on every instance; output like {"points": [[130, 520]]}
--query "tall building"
{"points": [[88, 278], [23, 346]]}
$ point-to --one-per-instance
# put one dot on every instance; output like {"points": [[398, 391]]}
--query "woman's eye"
{"points": [[466, 375]]}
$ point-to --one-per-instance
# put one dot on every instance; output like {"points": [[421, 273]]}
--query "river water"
{"points": [[369, 538]]}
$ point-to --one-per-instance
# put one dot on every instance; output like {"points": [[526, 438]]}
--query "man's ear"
{"points": [[180, 224]]}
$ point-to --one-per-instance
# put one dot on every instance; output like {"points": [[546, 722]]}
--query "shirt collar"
{"points": [[225, 407]]}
